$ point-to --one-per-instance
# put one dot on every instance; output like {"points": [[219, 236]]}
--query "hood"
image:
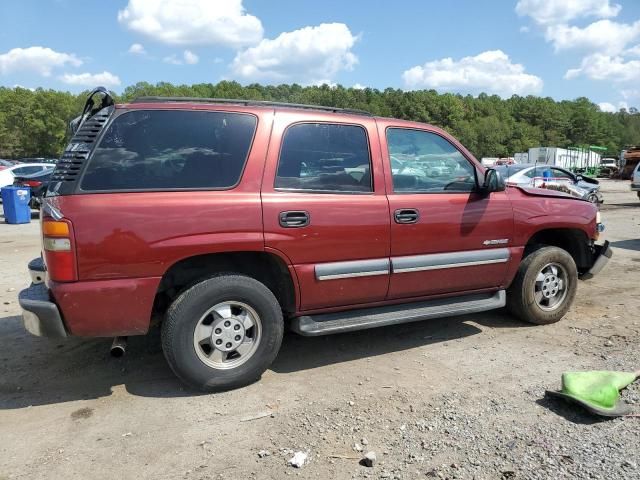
{"points": [[544, 192]]}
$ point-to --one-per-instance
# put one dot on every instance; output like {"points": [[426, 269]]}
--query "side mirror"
{"points": [[578, 178], [493, 182]]}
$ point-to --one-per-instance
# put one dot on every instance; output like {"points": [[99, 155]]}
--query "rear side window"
{"points": [[325, 157], [164, 149]]}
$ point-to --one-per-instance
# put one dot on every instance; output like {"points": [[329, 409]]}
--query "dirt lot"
{"points": [[460, 397]]}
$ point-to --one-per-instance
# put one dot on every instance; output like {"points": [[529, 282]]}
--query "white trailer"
{"points": [[563, 157]]}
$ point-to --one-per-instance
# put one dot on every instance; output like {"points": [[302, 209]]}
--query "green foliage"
{"points": [[34, 123]]}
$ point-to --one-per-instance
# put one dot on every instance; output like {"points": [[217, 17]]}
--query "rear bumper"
{"points": [[601, 257], [40, 315]]}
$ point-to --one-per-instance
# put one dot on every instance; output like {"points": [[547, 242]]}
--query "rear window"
{"points": [[164, 149]]}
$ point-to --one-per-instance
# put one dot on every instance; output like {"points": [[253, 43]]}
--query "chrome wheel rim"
{"points": [[227, 335], [551, 286]]}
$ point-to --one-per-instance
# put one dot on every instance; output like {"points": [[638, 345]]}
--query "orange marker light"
{"points": [[57, 229]]}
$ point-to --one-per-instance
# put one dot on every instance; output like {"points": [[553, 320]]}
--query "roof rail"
{"points": [[250, 103]]}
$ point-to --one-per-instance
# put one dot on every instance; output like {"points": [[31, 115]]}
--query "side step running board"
{"points": [[325, 324]]}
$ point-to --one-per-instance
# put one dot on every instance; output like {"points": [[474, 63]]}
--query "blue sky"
{"points": [[543, 47]]}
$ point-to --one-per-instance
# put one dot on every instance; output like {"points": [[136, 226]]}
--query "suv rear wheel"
{"points": [[223, 332], [544, 287]]}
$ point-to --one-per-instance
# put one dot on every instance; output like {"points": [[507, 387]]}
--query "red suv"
{"points": [[227, 220]]}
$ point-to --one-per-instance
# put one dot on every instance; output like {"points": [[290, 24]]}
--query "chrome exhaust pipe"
{"points": [[119, 347]]}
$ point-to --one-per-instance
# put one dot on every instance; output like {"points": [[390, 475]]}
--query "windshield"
{"points": [[507, 170]]}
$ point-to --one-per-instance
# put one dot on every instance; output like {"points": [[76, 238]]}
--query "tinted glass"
{"points": [[508, 170], [324, 157], [171, 149], [557, 173], [26, 170], [426, 162]]}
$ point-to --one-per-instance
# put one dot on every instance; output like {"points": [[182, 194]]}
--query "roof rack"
{"points": [[250, 103]]}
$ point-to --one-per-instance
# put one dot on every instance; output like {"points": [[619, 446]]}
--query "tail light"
{"points": [[59, 252], [32, 183]]}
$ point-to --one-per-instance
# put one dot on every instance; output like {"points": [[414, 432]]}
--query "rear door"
{"points": [[325, 208], [445, 237]]}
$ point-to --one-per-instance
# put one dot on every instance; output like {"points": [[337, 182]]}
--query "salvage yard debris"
{"points": [[597, 391], [298, 459]]}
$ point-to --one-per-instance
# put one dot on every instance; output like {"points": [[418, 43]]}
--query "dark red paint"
{"points": [[125, 242]]}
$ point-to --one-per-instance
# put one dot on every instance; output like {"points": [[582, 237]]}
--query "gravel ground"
{"points": [[460, 397]]}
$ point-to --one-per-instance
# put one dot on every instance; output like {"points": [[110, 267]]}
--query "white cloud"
{"points": [[601, 36], [607, 107], [190, 58], [192, 22], [491, 72], [137, 49], [359, 86], [310, 55], [604, 67], [104, 79], [611, 108], [172, 59], [630, 93], [633, 51], [187, 57], [561, 11], [40, 60]]}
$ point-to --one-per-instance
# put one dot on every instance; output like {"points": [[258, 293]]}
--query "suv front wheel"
{"points": [[544, 287], [223, 332]]}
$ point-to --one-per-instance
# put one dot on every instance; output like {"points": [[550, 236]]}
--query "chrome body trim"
{"points": [[352, 269], [414, 263], [437, 261]]}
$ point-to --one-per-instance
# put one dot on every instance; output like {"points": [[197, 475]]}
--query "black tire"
{"points": [[521, 294], [185, 313]]}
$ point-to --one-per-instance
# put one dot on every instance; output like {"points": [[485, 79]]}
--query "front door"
{"points": [[325, 208], [445, 236]]}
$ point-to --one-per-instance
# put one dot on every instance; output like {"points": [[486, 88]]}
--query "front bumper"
{"points": [[635, 187], [40, 315], [602, 256]]}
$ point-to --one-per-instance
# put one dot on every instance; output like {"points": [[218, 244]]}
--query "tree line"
{"points": [[33, 123]]}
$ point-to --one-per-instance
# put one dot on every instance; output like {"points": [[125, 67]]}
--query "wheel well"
{"points": [[264, 267], [573, 240]]}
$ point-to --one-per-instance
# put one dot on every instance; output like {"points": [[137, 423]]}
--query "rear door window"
{"points": [[171, 149], [321, 157]]}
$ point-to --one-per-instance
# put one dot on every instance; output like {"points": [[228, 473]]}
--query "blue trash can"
{"points": [[15, 202]]}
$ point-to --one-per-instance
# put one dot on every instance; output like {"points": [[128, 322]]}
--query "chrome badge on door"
{"points": [[497, 241]]}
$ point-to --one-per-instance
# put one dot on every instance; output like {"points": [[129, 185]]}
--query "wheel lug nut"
{"points": [[227, 323], [238, 337], [236, 327], [218, 331], [228, 345], [218, 342]]}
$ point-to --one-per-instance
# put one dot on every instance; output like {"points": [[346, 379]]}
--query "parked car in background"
{"points": [[635, 180], [556, 178], [38, 160], [608, 167], [286, 216], [5, 164], [38, 183], [8, 175]]}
